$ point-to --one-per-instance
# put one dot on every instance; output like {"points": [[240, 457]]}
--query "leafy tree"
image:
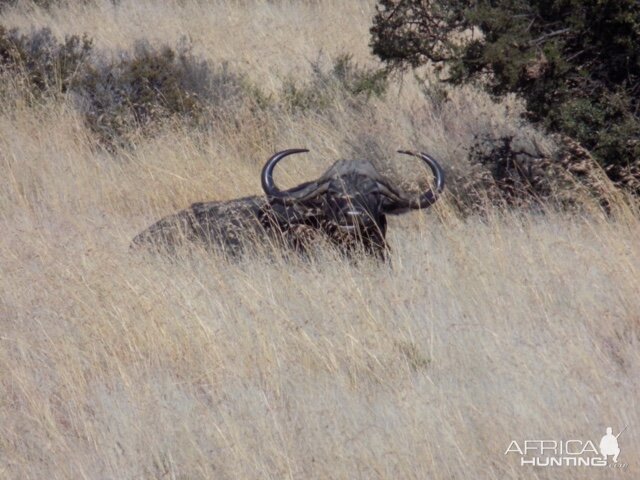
{"points": [[575, 62]]}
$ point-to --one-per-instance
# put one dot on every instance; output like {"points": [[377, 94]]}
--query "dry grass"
{"points": [[118, 366]]}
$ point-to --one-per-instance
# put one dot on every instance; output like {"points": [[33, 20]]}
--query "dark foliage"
{"points": [[123, 96], [575, 62], [518, 173], [148, 85], [41, 61]]}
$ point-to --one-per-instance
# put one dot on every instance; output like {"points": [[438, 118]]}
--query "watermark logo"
{"points": [[569, 453], [609, 445]]}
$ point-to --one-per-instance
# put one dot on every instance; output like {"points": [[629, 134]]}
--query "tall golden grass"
{"points": [[117, 366]]}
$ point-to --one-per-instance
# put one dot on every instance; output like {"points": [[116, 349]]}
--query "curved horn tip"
{"points": [[268, 185], [429, 197]]}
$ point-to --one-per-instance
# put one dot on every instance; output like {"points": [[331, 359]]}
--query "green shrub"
{"points": [[359, 80], [145, 86], [343, 79], [122, 96], [41, 61], [575, 62]]}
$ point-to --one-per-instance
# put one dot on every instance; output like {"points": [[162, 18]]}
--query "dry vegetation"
{"points": [[120, 366]]}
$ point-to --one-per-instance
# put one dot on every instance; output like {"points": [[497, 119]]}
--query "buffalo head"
{"points": [[350, 201]]}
